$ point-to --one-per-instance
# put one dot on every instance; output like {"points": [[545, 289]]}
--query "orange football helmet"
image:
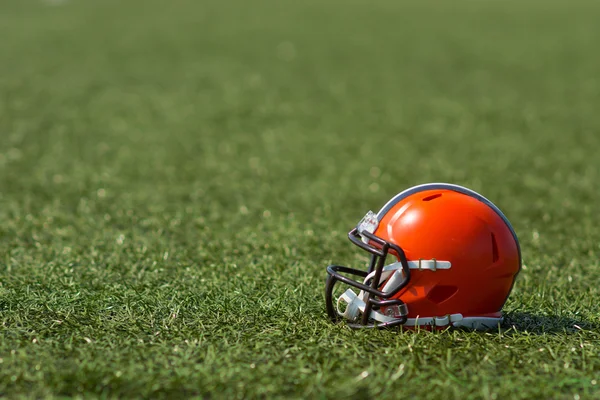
{"points": [[455, 261]]}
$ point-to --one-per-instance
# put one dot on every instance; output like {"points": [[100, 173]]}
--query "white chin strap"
{"points": [[355, 304]]}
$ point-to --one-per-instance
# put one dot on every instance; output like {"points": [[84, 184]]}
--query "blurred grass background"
{"points": [[174, 178]]}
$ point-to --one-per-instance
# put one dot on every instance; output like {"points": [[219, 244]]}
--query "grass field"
{"points": [[175, 177]]}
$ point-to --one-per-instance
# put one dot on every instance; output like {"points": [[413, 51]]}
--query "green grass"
{"points": [[175, 176]]}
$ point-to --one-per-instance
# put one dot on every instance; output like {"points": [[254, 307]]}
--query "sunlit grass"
{"points": [[175, 178]]}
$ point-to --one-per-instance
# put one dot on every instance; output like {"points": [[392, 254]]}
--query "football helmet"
{"points": [[454, 258]]}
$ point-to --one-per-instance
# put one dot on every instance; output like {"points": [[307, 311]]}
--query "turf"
{"points": [[175, 176]]}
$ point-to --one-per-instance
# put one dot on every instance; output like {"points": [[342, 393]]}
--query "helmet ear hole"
{"points": [[441, 293]]}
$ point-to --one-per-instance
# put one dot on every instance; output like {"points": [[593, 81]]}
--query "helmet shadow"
{"points": [[546, 324]]}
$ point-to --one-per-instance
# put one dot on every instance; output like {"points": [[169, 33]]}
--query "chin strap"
{"points": [[356, 306], [394, 274]]}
